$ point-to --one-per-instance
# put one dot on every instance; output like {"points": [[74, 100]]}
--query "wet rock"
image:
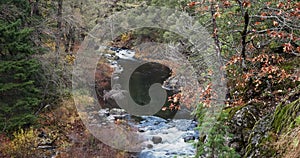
{"points": [[191, 135], [188, 138], [141, 130], [165, 132], [149, 146], [156, 139], [153, 123], [147, 154], [119, 117], [104, 112], [116, 111]]}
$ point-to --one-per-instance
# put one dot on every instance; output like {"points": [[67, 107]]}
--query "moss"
{"points": [[297, 121], [231, 111], [261, 140], [291, 64], [285, 115]]}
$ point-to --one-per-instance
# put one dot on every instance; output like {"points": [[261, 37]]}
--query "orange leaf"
{"points": [[268, 3], [226, 3], [280, 5], [270, 76], [275, 23], [263, 14], [193, 4], [287, 47], [298, 49], [217, 15], [246, 4], [257, 23]]}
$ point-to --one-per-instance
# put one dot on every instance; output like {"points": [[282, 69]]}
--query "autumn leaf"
{"points": [[287, 47], [280, 5], [217, 15], [246, 4], [280, 35], [257, 23], [226, 3], [298, 49], [270, 76], [268, 3], [279, 13], [275, 23], [193, 4], [263, 14]]}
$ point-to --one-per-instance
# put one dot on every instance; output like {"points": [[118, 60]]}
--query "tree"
{"points": [[259, 42], [19, 77]]}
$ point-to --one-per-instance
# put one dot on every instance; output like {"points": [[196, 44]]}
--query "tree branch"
{"points": [[244, 35]]}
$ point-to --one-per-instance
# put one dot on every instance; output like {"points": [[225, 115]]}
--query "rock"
{"points": [[119, 117], [116, 111], [274, 128], [174, 83], [156, 123], [47, 147], [107, 56], [146, 154], [165, 132], [114, 48], [156, 139], [116, 58], [142, 130], [149, 146], [188, 138], [241, 124], [259, 136], [104, 112], [152, 123]]}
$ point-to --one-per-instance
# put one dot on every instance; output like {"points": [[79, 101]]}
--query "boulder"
{"points": [[156, 139]]}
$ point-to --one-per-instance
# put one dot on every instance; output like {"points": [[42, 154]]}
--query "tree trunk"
{"points": [[59, 31]]}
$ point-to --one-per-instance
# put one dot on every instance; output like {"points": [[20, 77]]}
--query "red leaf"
{"points": [[280, 5], [164, 108], [298, 49], [193, 4], [226, 3], [275, 23], [246, 4], [287, 47]]}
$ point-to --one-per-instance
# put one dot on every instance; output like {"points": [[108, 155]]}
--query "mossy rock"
{"points": [[261, 138], [241, 121], [291, 64], [231, 111], [285, 116]]}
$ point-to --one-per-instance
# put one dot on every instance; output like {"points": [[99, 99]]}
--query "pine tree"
{"points": [[213, 140], [19, 72]]}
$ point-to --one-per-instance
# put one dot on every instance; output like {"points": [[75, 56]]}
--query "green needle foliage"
{"points": [[214, 143], [19, 75]]}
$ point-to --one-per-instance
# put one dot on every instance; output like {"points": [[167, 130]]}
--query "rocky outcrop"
{"points": [[257, 133], [242, 122]]}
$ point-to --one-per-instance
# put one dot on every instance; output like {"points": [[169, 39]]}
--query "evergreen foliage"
{"points": [[19, 74], [214, 143]]}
